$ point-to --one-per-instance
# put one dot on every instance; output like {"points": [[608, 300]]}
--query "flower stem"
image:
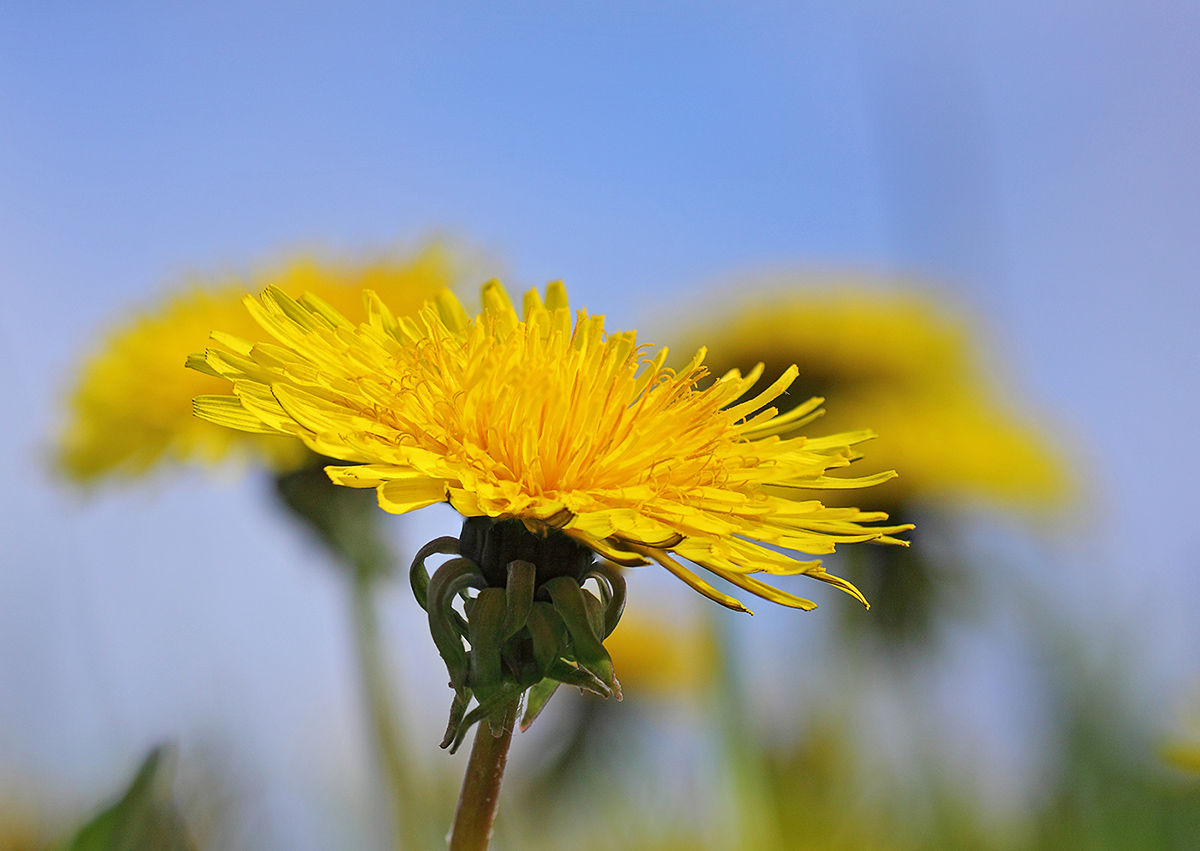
{"points": [[403, 791], [346, 522], [480, 793]]}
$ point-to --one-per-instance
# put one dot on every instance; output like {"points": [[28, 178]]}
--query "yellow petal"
{"points": [[401, 495], [228, 411]]}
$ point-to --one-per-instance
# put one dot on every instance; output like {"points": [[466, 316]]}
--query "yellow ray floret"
{"points": [[552, 422], [132, 406]]}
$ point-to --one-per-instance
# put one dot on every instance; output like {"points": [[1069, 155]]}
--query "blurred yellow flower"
{"points": [[1184, 751], [1185, 755], [132, 406], [561, 426], [18, 832], [909, 367], [675, 657]]}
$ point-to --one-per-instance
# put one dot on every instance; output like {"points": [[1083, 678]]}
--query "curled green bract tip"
{"points": [[529, 626]]}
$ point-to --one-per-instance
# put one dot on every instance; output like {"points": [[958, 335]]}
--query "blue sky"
{"points": [[1034, 160]]}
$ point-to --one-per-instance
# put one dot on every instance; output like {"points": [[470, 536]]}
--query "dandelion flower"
{"points": [[910, 368], [132, 406], [555, 424]]}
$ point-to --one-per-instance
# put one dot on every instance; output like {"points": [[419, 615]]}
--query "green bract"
{"points": [[530, 624]]}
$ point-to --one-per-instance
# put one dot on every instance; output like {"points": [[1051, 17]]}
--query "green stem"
{"points": [[480, 793], [346, 521], [385, 721]]}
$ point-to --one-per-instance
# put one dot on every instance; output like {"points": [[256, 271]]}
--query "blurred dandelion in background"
{"points": [[915, 369], [917, 365], [661, 655], [131, 410], [1182, 748]]}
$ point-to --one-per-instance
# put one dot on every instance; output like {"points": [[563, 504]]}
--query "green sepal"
{"points": [[536, 699], [612, 588], [520, 664], [506, 716], [454, 576], [418, 575], [589, 652], [569, 602], [602, 668], [595, 613], [506, 694], [549, 635], [458, 708], [519, 588], [580, 678], [485, 626]]}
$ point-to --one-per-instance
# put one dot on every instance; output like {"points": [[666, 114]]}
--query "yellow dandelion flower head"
{"points": [[131, 407], [554, 423], [910, 367]]}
